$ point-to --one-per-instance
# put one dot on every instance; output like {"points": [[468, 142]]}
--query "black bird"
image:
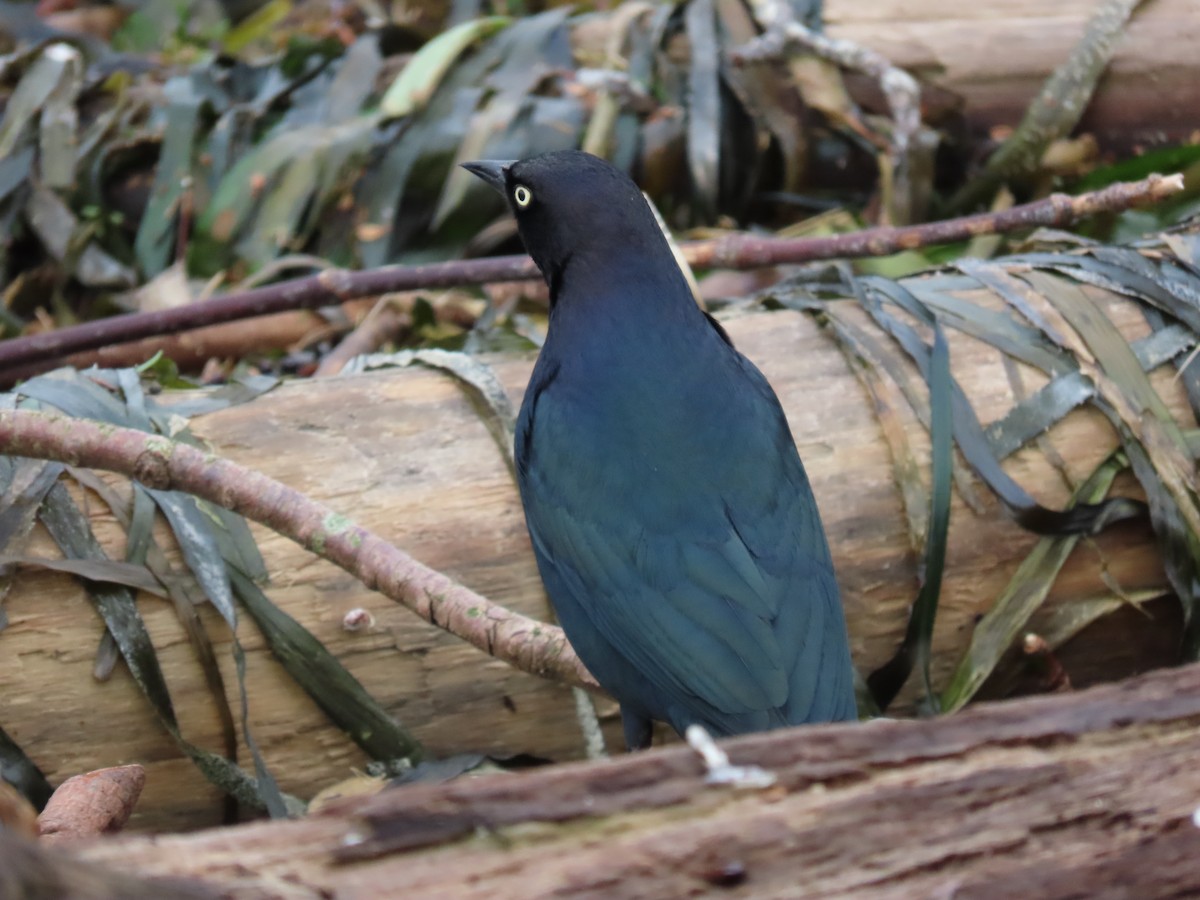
{"points": [[673, 524]]}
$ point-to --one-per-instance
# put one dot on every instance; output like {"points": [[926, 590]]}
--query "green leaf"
{"points": [[59, 120], [421, 77], [704, 107], [257, 26], [40, 82], [969, 434], [275, 195], [71, 531], [327, 681], [156, 235], [192, 525], [108, 571], [26, 483], [1021, 598], [916, 648], [1159, 160]]}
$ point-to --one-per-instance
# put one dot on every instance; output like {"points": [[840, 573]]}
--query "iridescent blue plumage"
{"points": [[673, 524]]}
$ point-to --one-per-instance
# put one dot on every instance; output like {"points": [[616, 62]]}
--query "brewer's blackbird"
{"points": [[673, 524]]}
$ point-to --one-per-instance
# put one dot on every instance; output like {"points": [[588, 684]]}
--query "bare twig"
{"points": [[385, 322], [782, 32], [391, 318], [157, 462], [742, 251], [736, 252]]}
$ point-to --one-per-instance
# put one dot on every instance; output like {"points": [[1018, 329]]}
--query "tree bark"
{"points": [[1089, 794], [995, 57], [406, 454]]}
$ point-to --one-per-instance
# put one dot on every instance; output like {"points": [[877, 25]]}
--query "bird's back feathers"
{"points": [[672, 520]]}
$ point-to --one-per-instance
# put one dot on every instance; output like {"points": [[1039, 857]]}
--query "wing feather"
{"points": [[707, 575]]}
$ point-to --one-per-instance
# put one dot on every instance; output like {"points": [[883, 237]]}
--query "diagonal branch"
{"points": [[157, 462]]}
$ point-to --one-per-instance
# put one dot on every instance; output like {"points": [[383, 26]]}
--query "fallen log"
{"points": [[406, 454], [1090, 794], [995, 57]]}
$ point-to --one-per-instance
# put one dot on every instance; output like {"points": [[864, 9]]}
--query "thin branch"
{"points": [[157, 462], [326, 288], [386, 321], [391, 320], [1057, 109], [742, 251], [736, 252]]}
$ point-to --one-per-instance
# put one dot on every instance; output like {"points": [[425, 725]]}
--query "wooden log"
{"points": [[406, 454], [995, 56], [30, 870], [1089, 794]]}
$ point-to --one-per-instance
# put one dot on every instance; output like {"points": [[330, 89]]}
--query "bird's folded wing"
{"points": [[713, 618]]}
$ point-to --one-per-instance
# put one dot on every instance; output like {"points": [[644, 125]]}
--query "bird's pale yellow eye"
{"points": [[522, 195]]}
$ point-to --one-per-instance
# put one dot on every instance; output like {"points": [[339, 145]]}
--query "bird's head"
{"points": [[570, 205]]}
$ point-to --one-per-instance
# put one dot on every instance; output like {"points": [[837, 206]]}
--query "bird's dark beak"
{"points": [[490, 170]]}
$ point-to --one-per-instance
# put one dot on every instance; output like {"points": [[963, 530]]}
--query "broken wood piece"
{"points": [[1062, 796], [95, 803]]}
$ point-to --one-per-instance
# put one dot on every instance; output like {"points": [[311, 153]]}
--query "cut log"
{"points": [[1079, 795], [995, 56], [406, 454]]}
